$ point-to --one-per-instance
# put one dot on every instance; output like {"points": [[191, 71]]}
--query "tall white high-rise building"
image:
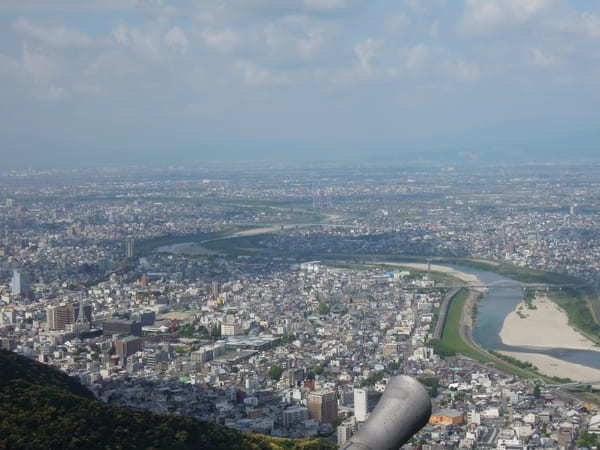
{"points": [[18, 284], [129, 247], [360, 404]]}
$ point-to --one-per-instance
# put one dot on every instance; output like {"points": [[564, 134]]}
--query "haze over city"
{"points": [[103, 82]]}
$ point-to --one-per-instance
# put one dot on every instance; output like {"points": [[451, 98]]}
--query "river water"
{"points": [[496, 304]]}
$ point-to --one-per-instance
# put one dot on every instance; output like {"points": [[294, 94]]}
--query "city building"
{"points": [[322, 406], [344, 433], [59, 316], [231, 329], [293, 416], [121, 327], [294, 377], [146, 318], [128, 346], [129, 247], [8, 316], [360, 404], [447, 417], [19, 286]]}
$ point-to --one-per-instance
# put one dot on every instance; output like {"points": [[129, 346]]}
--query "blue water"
{"points": [[496, 304]]}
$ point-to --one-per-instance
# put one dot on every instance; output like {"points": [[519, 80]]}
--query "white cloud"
{"points": [[223, 40], [541, 59], [35, 71], [39, 66], [144, 43], [587, 23], [8, 65], [422, 7], [325, 5], [417, 6], [295, 38], [87, 89], [462, 70], [53, 93], [68, 5], [482, 16], [417, 56], [253, 74], [592, 24], [364, 52], [397, 23], [309, 46], [113, 64], [176, 38], [60, 37]]}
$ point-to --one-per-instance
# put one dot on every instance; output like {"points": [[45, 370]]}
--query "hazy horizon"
{"points": [[159, 82]]}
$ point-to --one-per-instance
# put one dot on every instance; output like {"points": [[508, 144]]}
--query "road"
{"points": [[443, 313]]}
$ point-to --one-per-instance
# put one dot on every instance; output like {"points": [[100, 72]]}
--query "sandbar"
{"points": [[554, 367], [466, 277], [546, 326]]}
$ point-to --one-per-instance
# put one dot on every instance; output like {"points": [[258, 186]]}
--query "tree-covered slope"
{"points": [[42, 408]]}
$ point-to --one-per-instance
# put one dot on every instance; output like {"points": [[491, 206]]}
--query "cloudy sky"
{"points": [[151, 80]]}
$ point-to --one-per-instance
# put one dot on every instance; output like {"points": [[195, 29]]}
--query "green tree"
{"points": [[323, 308], [537, 392], [433, 391], [275, 372], [286, 339], [587, 440], [187, 331], [318, 370], [440, 348], [432, 385], [394, 365], [215, 331], [336, 423]]}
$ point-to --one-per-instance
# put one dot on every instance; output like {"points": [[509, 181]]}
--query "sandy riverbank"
{"points": [[547, 326], [553, 367], [466, 277], [253, 232]]}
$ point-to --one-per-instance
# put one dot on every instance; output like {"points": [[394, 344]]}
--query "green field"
{"points": [[451, 339]]}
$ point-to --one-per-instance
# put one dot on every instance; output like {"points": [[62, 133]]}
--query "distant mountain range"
{"points": [[40, 407]]}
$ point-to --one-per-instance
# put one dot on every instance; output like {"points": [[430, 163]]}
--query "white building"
{"points": [[8, 316], [344, 433], [18, 284], [231, 329], [360, 404]]}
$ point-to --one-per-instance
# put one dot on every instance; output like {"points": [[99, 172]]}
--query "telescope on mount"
{"points": [[402, 411]]}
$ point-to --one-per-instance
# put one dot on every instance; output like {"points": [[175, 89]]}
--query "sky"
{"points": [[134, 81]]}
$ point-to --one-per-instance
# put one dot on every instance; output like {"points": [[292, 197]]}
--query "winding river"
{"points": [[496, 304]]}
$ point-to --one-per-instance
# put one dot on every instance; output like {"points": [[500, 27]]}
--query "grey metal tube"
{"points": [[404, 409]]}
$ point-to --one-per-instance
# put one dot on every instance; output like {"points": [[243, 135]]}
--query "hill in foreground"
{"points": [[40, 407]]}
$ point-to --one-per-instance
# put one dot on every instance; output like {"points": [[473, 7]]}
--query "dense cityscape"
{"points": [[280, 299]]}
